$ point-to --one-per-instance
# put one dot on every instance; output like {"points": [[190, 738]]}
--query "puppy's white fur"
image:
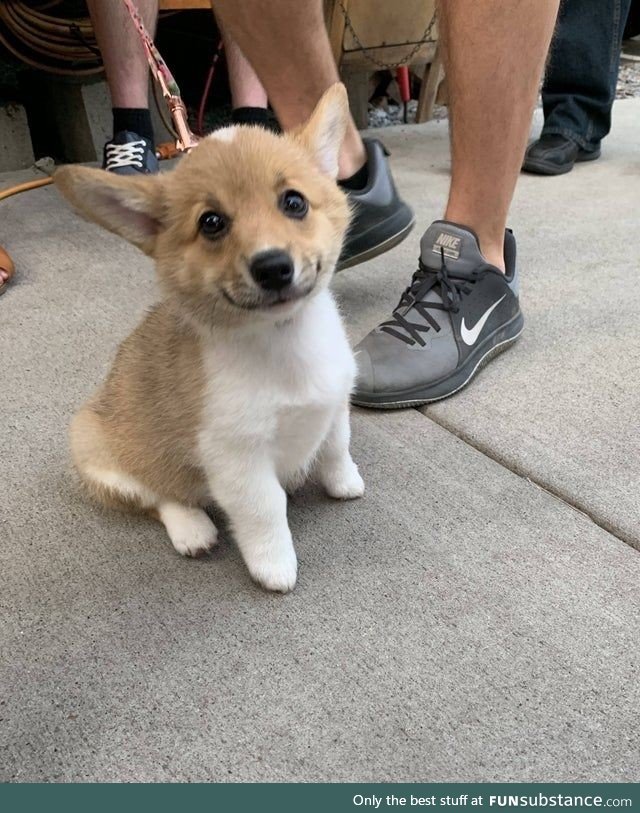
{"points": [[301, 374]]}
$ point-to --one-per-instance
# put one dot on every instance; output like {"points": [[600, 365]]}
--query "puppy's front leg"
{"points": [[337, 472], [249, 492]]}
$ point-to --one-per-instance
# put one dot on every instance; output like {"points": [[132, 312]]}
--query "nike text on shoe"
{"points": [[380, 218], [129, 154], [458, 313]]}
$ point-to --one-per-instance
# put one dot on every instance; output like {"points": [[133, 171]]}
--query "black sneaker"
{"points": [[380, 219], [554, 154], [457, 314], [129, 154]]}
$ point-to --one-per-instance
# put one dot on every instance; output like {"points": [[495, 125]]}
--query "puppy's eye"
{"points": [[293, 204], [212, 225]]}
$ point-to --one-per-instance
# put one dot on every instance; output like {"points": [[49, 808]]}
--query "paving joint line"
{"points": [[609, 527]]}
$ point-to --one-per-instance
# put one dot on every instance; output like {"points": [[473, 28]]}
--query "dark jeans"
{"points": [[580, 84]]}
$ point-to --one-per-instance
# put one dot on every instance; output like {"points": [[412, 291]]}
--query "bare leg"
{"points": [[124, 59], [494, 54], [246, 88], [286, 42]]}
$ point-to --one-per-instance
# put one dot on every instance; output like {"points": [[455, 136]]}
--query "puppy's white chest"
{"points": [[284, 389], [302, 423]]}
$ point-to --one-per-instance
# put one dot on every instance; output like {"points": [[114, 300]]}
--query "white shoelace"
{"points": [[125, 155]]}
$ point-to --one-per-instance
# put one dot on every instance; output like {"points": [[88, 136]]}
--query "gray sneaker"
{"points": [[457, 314]]}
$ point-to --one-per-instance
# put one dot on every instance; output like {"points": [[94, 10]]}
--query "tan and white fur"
{"points": [[225, 391]]}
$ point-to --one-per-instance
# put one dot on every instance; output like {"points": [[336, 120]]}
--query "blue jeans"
{"points": [[580, 84]]}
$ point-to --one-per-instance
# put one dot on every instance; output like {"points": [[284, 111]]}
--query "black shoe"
{"points": [[457, 314], [554, 154], [380, 219], [129, 154]]}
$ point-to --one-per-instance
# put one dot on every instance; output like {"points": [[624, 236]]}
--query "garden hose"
{"points": [[6, 263], [46, 42], [24, 187]]}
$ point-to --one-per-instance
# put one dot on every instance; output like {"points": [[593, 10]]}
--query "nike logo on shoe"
{"points": [[470, 335], [449, 244]]}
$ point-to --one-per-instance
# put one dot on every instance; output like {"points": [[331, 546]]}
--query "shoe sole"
{"points": [[542, 168], [454, 383], [380, 248]]}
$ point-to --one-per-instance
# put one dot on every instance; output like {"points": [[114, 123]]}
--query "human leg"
{"points": [[287, 44], [462, 307], [580, 84], [132, 148], [248, 96], [494, 54]]}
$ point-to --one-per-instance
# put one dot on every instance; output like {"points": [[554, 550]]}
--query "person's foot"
{"points": [[457, 313], [380, 219], [129, 154], [554, 154]]}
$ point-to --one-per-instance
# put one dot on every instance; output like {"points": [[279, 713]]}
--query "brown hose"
{"points": [[6, 263], [47, 42], [24, 187], [167, 150]]}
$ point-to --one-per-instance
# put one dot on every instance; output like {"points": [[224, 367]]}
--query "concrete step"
{"points": [[15, 140]]}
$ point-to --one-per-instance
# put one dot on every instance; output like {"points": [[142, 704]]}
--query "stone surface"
{"points": [[15, 141], [562, 406]]}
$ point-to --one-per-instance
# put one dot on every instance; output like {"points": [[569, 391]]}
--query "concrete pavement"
{"points": [[475, 617]]}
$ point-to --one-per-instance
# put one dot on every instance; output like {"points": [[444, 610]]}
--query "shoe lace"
{"points": [[451, 291], [125, 155]]}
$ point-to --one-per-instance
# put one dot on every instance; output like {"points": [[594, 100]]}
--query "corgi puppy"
{"points": [[236, 385]]}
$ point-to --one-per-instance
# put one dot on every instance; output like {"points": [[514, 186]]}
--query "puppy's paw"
{"points": [[277, 572], [190, 530], [344, 482]]}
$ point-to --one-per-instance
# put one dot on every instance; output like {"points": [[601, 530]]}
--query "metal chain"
{"points": [[426, 37]]}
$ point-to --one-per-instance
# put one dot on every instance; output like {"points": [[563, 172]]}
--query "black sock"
{"points": [[357, 181], [249, 115], [135, 119]]}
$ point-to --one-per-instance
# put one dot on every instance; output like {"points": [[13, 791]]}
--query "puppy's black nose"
{"points": [[272, 270]]}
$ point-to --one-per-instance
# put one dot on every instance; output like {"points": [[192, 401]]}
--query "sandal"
{"points": [[7, 270]]}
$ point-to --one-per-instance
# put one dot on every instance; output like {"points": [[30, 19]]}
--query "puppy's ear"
{"points": [[324, 132], [129, 206]]}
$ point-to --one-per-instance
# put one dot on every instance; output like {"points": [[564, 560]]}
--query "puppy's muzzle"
{"points": [[273, 270]]}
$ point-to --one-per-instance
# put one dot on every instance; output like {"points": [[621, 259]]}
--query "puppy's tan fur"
{"points": [[145, 439], [144, 419]]}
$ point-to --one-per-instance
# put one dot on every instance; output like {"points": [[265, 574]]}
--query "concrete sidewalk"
{"points": [[475, 617]]}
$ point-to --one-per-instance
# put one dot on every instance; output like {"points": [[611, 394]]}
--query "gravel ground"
{"points": [[392, 114], [628, 80]]}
